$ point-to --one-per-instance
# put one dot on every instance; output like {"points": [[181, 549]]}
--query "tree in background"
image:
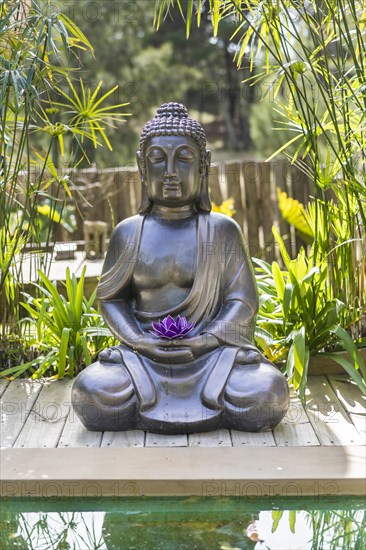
{"points": [[152, 67]]}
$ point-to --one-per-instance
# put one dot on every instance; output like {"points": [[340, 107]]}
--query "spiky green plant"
{"points": [[40, 142], [68, 330], [313, 55]]}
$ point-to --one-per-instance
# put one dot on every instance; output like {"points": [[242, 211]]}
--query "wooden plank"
{"points": [[134, 184], [268, 217], [280, 175], [348, 394], [330, 421], [280, 170], [295, 429], [252, 207], [258, 439], [359, 422], [319, 364], [214, 184], [16, 405], [44, 425], [205, 472], [301, 185], [218, 438], [75, 434], [300, 192], [159, 440], [232, 174], [352, 400], [132, 438], [4, 383]]}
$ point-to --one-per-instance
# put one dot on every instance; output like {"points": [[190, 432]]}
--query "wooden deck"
{"points": [[41, 434]]}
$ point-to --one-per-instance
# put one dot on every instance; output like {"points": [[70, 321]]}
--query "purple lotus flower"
{"points": [[170, 328]]}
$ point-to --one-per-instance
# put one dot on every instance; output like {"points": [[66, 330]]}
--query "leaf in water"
{"points": [[292, 518]]}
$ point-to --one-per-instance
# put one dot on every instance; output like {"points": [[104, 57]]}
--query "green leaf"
{"points": [[80, 295], [278, 280], [292, 519], [284, 253], [284, 147], [349, 368], [276, 516], [71, 361], [299, 356], [264, 265], [19, 369], [287, 297], [87, 355], [56, 298], [62, 358], [351, 348]]}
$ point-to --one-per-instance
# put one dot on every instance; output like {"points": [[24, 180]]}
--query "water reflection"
{"points": [[181, 524]]}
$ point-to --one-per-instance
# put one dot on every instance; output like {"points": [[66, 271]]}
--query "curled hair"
{"points": [[172, 119]]}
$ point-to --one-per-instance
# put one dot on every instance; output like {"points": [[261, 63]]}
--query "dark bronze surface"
{"points": [[174, 258]]}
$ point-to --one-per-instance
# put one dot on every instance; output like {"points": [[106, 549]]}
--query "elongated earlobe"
{"points": [[145, 203], [203, 200]]}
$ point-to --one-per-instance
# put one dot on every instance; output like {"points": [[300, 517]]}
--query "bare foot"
{"points": [[110, 355]]}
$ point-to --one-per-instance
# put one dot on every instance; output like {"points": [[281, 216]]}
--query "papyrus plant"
{"points": [[311, 58]]}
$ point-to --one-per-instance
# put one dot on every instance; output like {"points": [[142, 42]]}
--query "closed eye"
{"points": [[155, 156], [186, 156]]}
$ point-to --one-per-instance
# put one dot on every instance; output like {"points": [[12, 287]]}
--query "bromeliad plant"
{"points": [[68, 331], [298, 319]]}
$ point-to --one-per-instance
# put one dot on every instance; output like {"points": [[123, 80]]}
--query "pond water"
{"points": [[193, 523]]}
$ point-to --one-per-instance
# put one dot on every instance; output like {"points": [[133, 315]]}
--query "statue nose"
{"points": [[170, 176], [170, 167]]}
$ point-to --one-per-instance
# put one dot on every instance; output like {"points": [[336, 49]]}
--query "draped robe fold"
{"points": [[222, 301]]}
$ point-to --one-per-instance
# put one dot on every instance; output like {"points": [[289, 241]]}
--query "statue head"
{"points": [[173, 142]]}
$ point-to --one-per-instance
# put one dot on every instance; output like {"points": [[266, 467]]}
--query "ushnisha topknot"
{"points": [[172, 119]]}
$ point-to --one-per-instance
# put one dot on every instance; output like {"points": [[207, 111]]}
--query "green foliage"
{"points": [[333, 529], [295, 214], [68, 331], [41, 138], [313, 57], [297, 319]]}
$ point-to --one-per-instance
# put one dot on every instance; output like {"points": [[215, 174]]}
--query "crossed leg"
{"points": [[256, 397], [104, 398]]}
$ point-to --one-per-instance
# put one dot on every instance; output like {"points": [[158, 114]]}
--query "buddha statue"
{"points": [[176, 268]]}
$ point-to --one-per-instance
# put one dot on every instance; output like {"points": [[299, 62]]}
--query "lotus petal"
{"points": [[168, 321], [185, 330], [170, 328], [158, 326]]}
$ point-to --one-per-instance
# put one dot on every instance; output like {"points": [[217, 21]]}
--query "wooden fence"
{"points": [[112, 195]]}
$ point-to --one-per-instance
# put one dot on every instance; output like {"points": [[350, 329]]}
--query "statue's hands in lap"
{"points": [[178, 350], [163, 350]]}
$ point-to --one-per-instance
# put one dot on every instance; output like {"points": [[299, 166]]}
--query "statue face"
{"points": [[172, 170]]}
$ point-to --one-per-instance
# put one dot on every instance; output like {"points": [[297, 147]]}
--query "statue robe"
{"points": [[223, 302]]}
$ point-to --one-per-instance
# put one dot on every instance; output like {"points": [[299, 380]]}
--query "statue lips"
{"points": [[171, 189]]}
